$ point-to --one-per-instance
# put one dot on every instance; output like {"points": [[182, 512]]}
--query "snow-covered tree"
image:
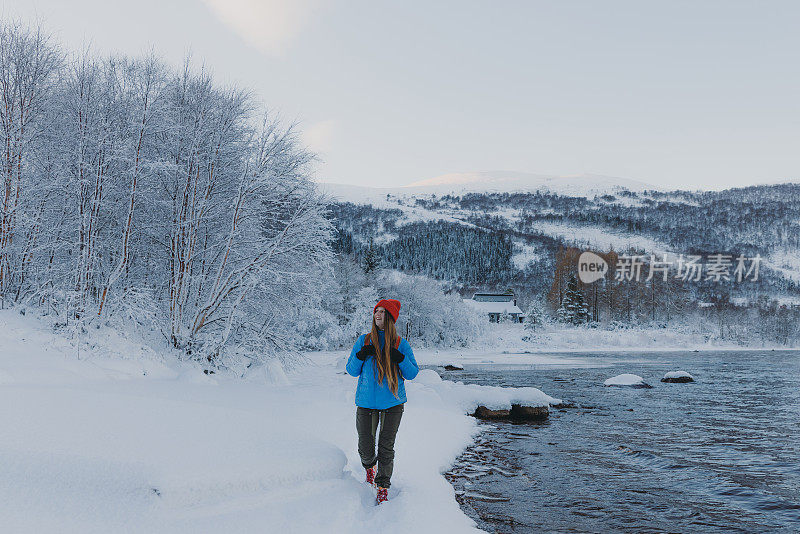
{"points": [[29, 65], [128, 185], [362, 303], [371, 258], [535, 317], [573, 308], [430, 315]]}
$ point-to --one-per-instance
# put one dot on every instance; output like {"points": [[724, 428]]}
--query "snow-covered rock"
{"points": [[627, 380], [677, 377], [468, 397], [428, 377]]}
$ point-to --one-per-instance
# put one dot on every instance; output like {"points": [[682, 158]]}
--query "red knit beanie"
{"points": [[390, 305]]}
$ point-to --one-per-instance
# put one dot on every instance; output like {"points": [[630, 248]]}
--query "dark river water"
{"points": [[721, 454]]}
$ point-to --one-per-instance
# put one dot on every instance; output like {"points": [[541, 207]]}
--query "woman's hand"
{"points": [[396, 356], [365, 352]]}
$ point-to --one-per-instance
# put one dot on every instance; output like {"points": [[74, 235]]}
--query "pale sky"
{"points": [[685, 94]]}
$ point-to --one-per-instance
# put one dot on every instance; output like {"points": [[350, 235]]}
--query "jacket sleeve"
{"points": [[408, 366], [354, 365]]}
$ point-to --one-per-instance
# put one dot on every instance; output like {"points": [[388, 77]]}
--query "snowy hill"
{"points": [[418, 227], [412, 200], [582, 185], [511, 182]]}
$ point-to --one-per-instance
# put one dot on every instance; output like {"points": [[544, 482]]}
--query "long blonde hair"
{"points": [[383, 362]]}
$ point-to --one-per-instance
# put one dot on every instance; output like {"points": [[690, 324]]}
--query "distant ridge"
{"points": [[509, 181], [581, 185]]}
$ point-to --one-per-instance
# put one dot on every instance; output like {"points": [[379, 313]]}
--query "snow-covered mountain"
{"points": [[465, 238], [581, 185], [512, 182]]}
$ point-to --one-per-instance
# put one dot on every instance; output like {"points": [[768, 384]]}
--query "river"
{"points": [[721, 454]]}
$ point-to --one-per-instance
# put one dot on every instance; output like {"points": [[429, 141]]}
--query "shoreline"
{"points": [[225, 453]]}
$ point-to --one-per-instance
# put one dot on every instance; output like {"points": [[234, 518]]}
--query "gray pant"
{"points": [[367, 425]]}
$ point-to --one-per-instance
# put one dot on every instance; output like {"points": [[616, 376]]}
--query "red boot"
{"points": [[382, 495], [371, 476]]}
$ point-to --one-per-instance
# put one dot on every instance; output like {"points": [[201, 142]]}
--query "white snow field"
{"points": [[126, 440]]}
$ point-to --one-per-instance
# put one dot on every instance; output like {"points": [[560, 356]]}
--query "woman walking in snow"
{"points": [[380, 394]]}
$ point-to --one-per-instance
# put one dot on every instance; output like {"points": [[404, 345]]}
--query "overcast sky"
{"points": [[690, 94]]}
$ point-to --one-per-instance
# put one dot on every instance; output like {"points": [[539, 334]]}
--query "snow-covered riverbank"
{"points": [[113, 434], [125, 439], [561, 345]]}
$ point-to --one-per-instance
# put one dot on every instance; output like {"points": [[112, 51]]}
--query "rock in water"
{"points": [[677, 377], [518, 412], [529, 413], [482, 412], [627, 380], [453, 367]]}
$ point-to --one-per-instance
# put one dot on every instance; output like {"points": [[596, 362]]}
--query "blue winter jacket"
{"points": [[370, 394]]}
